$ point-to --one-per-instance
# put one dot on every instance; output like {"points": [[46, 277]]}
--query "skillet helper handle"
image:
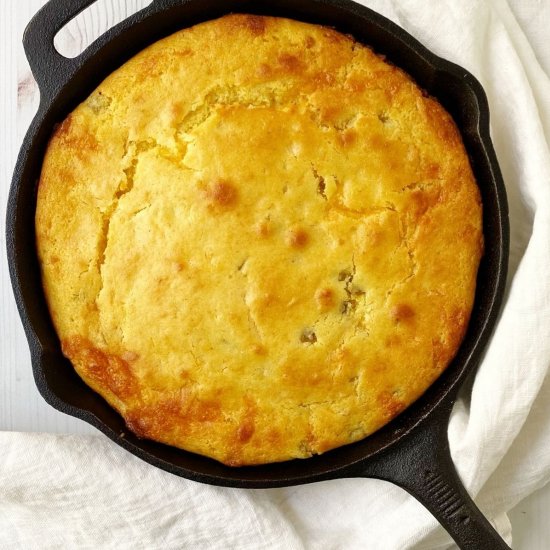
{"points": [[421, 464], [49, 68]]}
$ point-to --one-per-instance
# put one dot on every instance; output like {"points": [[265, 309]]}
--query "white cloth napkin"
{"points": [[85, 492]]}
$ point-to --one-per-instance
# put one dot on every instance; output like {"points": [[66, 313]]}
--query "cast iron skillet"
{"points": [[412, 451]]}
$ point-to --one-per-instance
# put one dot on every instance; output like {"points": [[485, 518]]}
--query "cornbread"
{"points": [[259, 240]]}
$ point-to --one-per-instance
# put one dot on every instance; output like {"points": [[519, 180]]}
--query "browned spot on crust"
{"points": [[392, 84], [324, 79], [290, 63], [151, 66], [264, 70], [390, 404], [421, 201], [66, 175], [176, 111], [401, 312], [106, 370], [269, 299], [62, 130], [348, 137], [247, 424], [255, 24], [138, 425], [258, 349], [234, 462], [183, 53], [377, 141], [78, 140], [465, 233], [334, 36], [330, 113], [263, 228], [245, 430], [203, 411], [91, 307], [297, 237], [274, 437], [309, 42], [222, 195], [157, 419], [324, 298], [179, 266], [183, 413], [356, 84], [433, 170]]}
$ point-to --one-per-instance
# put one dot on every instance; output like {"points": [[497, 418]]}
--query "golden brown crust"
{"points": [[258, 240]]}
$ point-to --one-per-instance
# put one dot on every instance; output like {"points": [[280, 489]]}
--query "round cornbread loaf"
{"points": [[259, 241]]}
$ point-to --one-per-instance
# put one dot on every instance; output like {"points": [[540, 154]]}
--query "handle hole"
{"points": [[72, 39]]}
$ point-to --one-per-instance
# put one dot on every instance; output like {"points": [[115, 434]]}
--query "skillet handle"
{"points": [[421, 464], [49, 68]]}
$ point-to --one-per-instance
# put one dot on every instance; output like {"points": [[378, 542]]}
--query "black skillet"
{"points": [[413, 450]]}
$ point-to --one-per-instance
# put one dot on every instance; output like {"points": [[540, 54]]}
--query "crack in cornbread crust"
{"points": [[258, 240]]}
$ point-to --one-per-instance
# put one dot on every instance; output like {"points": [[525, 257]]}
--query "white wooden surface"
{"points": [[21, 407]]}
